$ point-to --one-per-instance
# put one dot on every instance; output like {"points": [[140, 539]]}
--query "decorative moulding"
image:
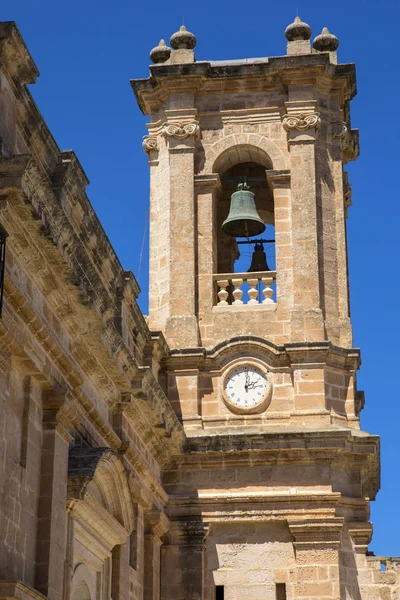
{"points": [[149, 143], [301, 121], [180, 130]]}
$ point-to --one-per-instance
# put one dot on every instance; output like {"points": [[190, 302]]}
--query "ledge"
{"points": [[16, 589]]}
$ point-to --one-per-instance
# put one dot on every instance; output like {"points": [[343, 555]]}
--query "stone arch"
{"points": [[99, 472], [82, 584], [236, 148], [240, 346]]}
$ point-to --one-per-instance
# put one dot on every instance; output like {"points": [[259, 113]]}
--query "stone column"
{"points": [[156, 525], [279, 182], [60, 412], [301, 123], [180, 131], [158, 239], [316, 545], [206, 187], [120, 572], [182, 573], [340, 141]]}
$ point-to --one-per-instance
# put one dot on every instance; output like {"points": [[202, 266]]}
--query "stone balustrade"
{"points": [[232, 291]]}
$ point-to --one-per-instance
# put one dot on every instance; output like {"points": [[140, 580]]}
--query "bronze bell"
{"points": [[259, 260], [243, 219]]}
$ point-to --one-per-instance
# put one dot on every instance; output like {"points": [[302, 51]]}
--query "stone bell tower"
{"points": [[273, 490]]}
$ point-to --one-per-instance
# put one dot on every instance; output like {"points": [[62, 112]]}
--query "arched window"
{"points": [[244, 164], [82, 591]]}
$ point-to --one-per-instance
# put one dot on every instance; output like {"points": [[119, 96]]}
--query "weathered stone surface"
{"points": [[123, 473]]}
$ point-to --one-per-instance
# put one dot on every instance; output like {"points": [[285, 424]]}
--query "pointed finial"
{"points": [[160, 53], [298, 30], [183, 39], [326, 41]]}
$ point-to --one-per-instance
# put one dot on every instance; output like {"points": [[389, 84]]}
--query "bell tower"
{"points": [[280, 128], [270, 498]]}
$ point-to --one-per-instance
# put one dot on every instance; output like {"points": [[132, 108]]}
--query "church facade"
{"points": [[212, 450]]}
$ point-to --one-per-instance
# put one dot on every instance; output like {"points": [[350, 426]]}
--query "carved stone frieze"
{"points": [[181, 131], [301, 121], [149, 143]]}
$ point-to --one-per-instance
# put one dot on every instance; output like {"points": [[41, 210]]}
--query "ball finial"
{"points": [[325, 41], [298, 30], [160, 53], [183, 39]]}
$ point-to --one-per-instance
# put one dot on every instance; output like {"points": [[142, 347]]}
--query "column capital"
{"points": [[207, 182], [181, 129], [361, 533], [156, 523], [301, 121], [316, 534], [61, 412], [278, 179]]}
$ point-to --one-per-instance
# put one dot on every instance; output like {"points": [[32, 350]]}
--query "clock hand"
{"points": [[247, 383]]}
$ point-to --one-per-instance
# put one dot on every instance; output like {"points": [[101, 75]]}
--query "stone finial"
{"points": [[183, 39], [160, 53], [326, 42], [298, 30]]}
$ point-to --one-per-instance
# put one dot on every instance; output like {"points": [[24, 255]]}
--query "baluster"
{"points": [[222, 293], [237, 292], [267, 291], [253, 291]]}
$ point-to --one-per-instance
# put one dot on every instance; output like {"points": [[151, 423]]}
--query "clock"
{"points": [[245, 388]]}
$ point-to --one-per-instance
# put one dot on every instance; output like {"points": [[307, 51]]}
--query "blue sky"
{"points": [[87, 51]]}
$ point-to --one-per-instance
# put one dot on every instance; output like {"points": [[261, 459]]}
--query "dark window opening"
{"points": [[280, 591], [219, 592], [3, 237]]}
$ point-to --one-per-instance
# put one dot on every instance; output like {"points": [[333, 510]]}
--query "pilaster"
{"points": [[301, 123], [279, 182], [206, 188], [156, 525], [183, 561], [60, 413], [180, 131], [316, 544]]}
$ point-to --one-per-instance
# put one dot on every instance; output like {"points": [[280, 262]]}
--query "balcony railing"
{"points": [[233, 291]]}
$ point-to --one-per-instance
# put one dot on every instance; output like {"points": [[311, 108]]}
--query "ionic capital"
{"points": [[301, 122], [180, 130], [149, 143], [340, 131]]}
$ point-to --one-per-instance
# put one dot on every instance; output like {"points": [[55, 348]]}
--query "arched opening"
{"points": [[245, 164], [82, 591], [234, 254]]}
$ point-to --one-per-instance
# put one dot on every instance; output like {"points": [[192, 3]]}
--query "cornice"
{"points": [[290, 354], [195, 74], [14, 55]]}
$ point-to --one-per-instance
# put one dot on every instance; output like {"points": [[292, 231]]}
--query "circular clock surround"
{"points": [[246, 387]]}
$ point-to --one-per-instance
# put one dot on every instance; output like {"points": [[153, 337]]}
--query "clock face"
{"points": [[246, 387]]}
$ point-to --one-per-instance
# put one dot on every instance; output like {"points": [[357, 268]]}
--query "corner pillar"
{"points": [[156, 525], [279, 183], [206, 187], [181, 131], [183, 561], [316, 545], [60, 414], [301, 123]]}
